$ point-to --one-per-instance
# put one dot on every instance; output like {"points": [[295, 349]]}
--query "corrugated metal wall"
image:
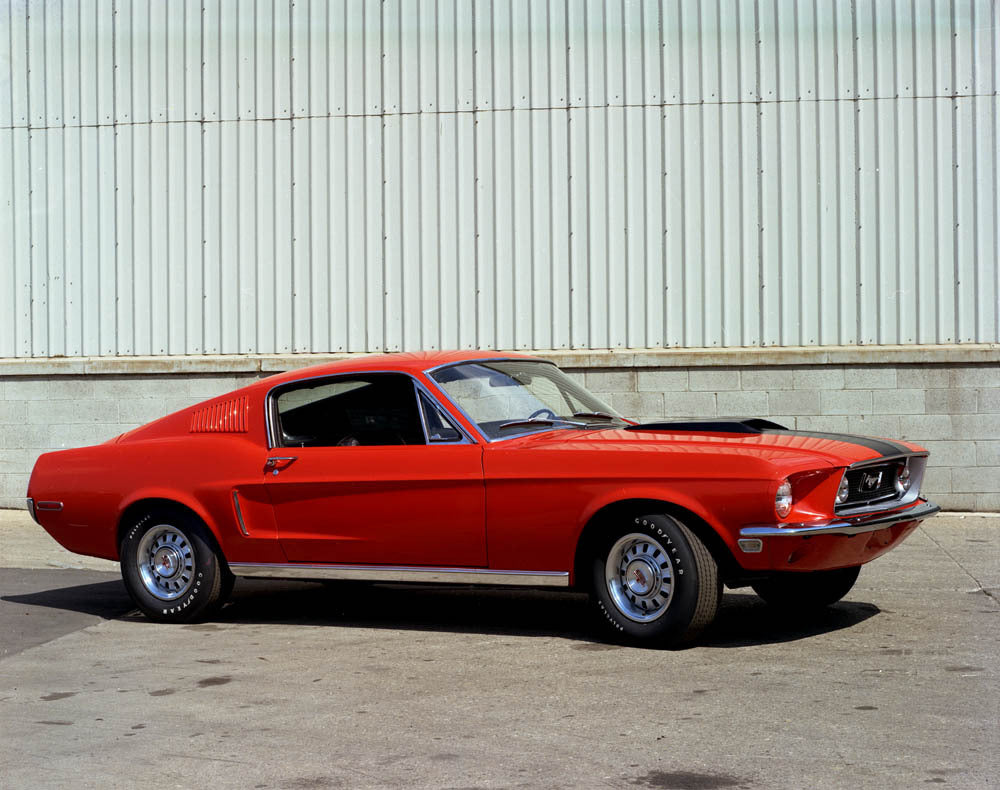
{"points": [[219, 176]]}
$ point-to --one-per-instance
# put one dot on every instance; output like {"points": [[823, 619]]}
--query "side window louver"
{"points": [[229, 416]]}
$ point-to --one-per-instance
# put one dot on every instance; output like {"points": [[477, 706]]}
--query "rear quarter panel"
{"points": [[98, 484], [84, 480], [202, 471]]}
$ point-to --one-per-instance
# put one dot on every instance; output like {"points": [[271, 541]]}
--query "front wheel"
{"points": [[654, 582], [171, 568], [809, 590]]}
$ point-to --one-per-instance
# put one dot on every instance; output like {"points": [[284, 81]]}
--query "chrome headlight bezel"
{"points": [[904, 479], [843, 490]]}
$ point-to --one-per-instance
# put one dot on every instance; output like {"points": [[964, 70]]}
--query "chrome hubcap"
{"points": [[639, 577], [165, 560]]}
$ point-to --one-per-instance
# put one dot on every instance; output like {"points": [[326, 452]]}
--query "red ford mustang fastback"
{"points": [[478, 468]]}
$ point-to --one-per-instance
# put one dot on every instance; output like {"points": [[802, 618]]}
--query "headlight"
{"points": [[844, 491], [783, 500], [903, 478]]}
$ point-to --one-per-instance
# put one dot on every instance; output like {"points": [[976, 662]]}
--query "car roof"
{"points": [[411, 362]]}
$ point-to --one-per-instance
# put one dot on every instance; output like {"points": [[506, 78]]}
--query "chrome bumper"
{"points": [[854, 526]]}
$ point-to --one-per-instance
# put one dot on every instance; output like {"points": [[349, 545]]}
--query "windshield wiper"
{"points": [[597, 415], [542, 421]]}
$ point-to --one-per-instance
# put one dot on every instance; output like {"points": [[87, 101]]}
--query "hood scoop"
{"points": [[747, 425]]}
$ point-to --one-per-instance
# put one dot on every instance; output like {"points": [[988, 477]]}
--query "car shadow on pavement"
{"points": [[743, 619], [47, 588]]}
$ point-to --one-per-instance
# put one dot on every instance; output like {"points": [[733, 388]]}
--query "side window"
{"points": [[440, 428], [366, 410]]}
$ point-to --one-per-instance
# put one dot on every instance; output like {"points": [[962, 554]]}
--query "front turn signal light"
{"points": [[783, 500]]}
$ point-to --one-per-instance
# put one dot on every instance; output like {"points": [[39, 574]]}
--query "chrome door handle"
{"points": [[279, 462]]}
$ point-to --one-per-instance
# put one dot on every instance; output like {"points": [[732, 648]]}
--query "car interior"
{"points": [[370, 410]]}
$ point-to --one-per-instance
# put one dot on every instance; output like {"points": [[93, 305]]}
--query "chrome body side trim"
{"points": [[403, 573], [49, 505], [841, 526], [239, 514]]}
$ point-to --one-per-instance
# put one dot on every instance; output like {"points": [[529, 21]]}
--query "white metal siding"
{"points": [[215, 176]]}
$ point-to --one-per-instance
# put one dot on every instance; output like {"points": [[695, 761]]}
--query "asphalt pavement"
{"points": [[301, 685]]}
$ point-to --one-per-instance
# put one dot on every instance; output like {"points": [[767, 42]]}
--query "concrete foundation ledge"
{"points": [[970, 353]]}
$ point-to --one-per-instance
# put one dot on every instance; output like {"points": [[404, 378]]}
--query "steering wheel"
{"points": [[542, 413]]}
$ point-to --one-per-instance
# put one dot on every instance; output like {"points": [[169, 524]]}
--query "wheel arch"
{"points": [[149, 502], [603, 520]]}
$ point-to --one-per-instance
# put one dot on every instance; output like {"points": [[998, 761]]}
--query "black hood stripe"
{"points": [[883, 447]]}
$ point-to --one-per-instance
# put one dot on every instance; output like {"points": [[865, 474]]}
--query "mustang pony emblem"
{"points": [[871, 482]]}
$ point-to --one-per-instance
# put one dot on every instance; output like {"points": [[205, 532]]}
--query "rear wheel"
{"points": [[805, 591], [171, 568], [654, 582]]}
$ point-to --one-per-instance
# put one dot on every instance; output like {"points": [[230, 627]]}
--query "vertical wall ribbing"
{"points": [[292, 177]]}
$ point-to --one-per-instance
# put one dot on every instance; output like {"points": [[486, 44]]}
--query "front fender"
{"points": [[662, 493], [724, 510]]}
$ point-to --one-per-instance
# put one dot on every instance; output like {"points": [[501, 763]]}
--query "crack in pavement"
{"points": [[988, 593]]}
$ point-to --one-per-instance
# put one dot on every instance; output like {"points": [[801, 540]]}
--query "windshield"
{"points": [[510, 397]]}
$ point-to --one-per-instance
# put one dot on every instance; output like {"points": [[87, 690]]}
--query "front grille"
{"points": [[871, 484]]}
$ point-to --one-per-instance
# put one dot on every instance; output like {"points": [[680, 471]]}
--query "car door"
{"points": [[368, 469]]}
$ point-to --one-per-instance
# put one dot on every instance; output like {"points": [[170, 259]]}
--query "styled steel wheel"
{"points": [[172, 567], [165, 559], [639, 577], [654, 582]]}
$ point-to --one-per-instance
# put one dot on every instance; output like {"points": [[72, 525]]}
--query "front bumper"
{"points": [[850, 526], [827, 544]]}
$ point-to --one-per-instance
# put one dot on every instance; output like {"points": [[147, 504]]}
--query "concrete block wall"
{"points": [[953, 409], [42, 413]]}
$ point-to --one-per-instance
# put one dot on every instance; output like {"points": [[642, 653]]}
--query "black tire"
{"points": [[800, 592], [677, 601], [226, 588], [172, 569]]}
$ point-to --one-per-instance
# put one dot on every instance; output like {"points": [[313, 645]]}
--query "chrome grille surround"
{"points": [[872, 484], [873, 493]]}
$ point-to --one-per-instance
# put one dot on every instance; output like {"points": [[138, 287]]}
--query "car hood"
{"points": [[753, 438]]}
